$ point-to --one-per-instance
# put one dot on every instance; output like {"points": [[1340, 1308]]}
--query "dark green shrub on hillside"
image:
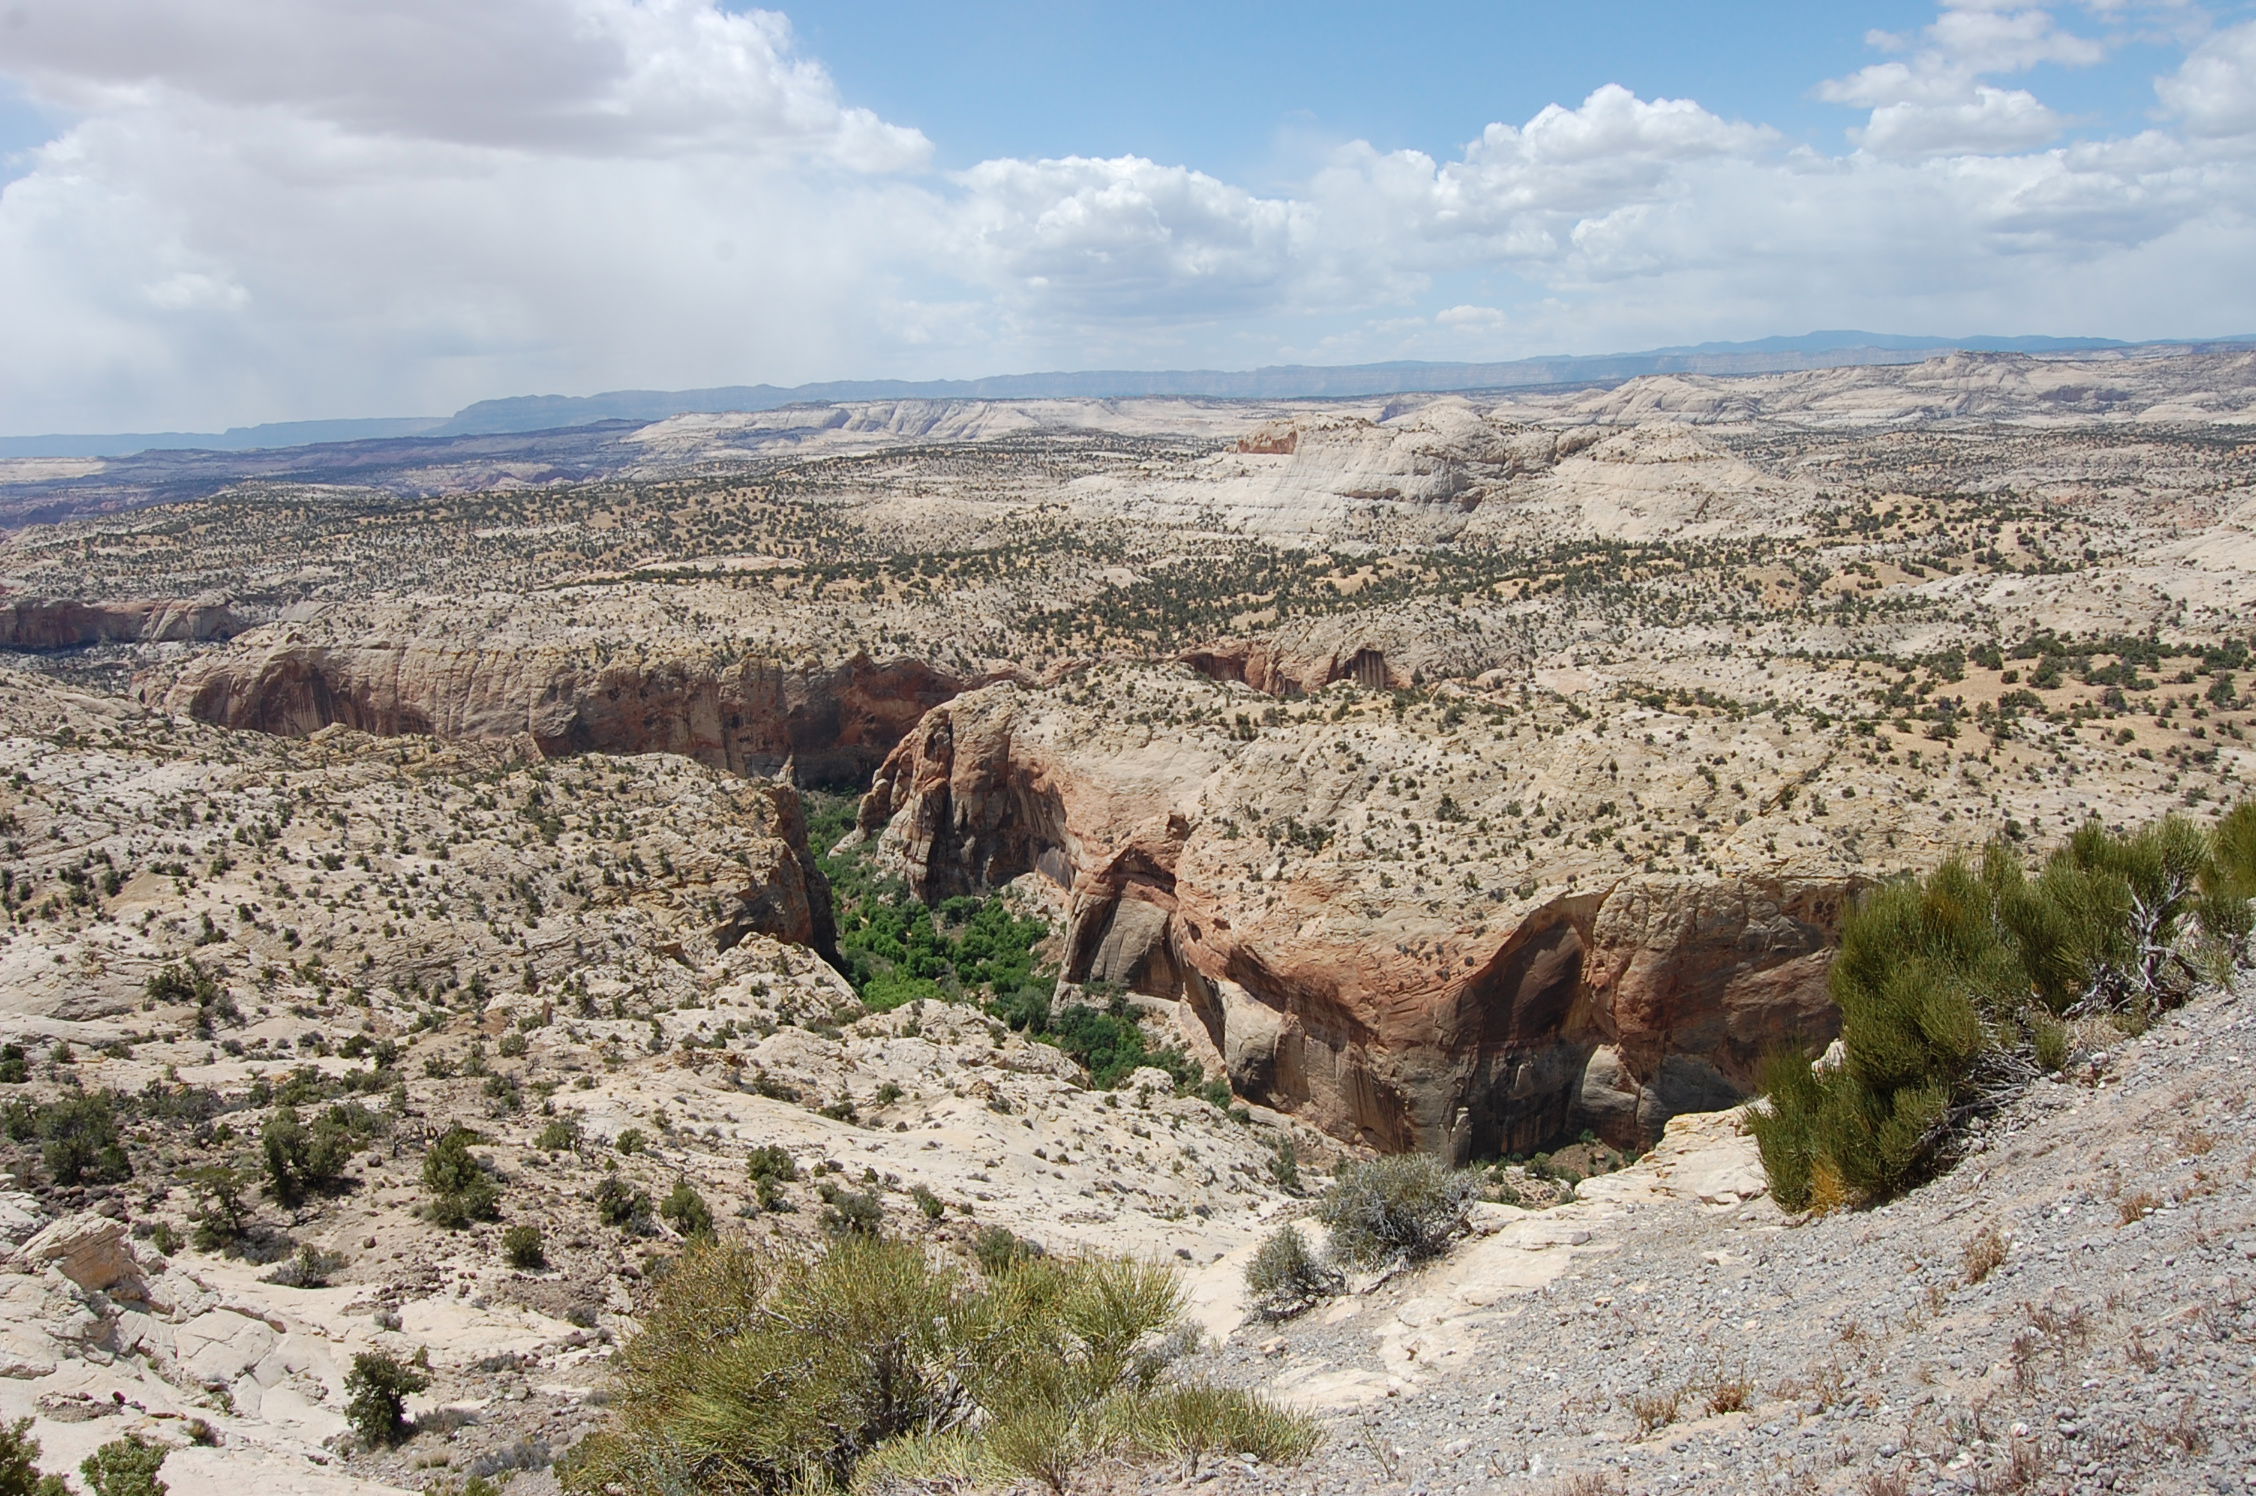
{"points": [[521, 1248], [871, 1366], [2229, 883], [999, 1249], [79, 1142], [126, 1467], [621, 1206], [222, 1215], [303, 1160], [19, 1464], [686, 1211], [462, 1188], [376, 1393], [1953, 989]]}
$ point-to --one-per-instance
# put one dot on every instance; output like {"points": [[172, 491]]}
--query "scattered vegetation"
{"points": [[895, 950], [758, 1373], [1409, 1205], [1954, 989], [1285, 1277]]}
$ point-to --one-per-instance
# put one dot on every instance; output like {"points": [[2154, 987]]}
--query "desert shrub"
{"points": [[1952, 989], [761, 1374], [376, 1393], [15, 1065], [927, 1202], [621, 1206], [851, 1212], [998, 1249], [769, 1162], [79, 1142], [462, 1188], [125, 1467], [686, 1211], [1984, 1253], [521, 1248], [633, 1140], [1284, 1166], [2229, 882], [1409, 1205], [223, 1212], [303, 1160], [19, 1464], [1284, 1277], [559, 1136], [1926, 973], [2098, 927], [311, 1268]]}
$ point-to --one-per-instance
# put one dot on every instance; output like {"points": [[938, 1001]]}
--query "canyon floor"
{"points": [[1095, 820]]}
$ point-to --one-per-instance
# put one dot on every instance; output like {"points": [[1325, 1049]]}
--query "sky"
{"points": [[252, 210]]}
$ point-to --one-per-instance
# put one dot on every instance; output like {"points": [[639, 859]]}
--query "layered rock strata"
{"points": [[65, 623], [1473, 925], [747, 714]]}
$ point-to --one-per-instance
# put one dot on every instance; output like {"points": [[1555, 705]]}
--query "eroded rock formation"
{"points": [[748, 715], [1415, 1003], [1379, 649], [65, 623]]}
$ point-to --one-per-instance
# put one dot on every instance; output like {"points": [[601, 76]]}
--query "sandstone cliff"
{"points": [[1382, 649], [1475, 924], [745, 714], [64, 623]]}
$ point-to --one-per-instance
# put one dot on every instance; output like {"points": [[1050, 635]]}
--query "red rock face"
{"points": [[750, 717], [1279, 439], [34, 623], [1276, 670], [1610, 1009]]}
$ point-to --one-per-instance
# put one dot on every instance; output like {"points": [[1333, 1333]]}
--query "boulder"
{"points": [[93, 1251]]}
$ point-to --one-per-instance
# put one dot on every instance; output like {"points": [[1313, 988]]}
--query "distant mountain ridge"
{"points": [[525, 413]]}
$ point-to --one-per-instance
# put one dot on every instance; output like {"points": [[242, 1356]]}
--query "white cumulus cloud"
{"points": [[265, 209]]}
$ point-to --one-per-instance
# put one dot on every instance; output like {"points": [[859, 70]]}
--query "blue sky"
{"points": [[1242, 90], [249, 210]]}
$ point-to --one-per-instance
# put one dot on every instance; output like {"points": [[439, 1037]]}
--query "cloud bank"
{"points": [[265, 209]]}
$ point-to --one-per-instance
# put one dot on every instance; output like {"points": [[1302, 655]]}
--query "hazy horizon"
{"points": [[261, 211]]}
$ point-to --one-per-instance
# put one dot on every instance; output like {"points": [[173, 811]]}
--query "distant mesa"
{"points": [[527, 413]]}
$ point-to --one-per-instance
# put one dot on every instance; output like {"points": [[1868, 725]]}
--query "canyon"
{"points": [[1634, 595], [1480, 774]]}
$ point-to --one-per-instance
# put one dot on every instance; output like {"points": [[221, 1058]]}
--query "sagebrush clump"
{"points": [[761, 1373], [1409, 1205], [1286, 1277], [1954, 990]]}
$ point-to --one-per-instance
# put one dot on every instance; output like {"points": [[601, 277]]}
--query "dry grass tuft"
{"points": [[1984, 1253], [1656, 1410]]}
